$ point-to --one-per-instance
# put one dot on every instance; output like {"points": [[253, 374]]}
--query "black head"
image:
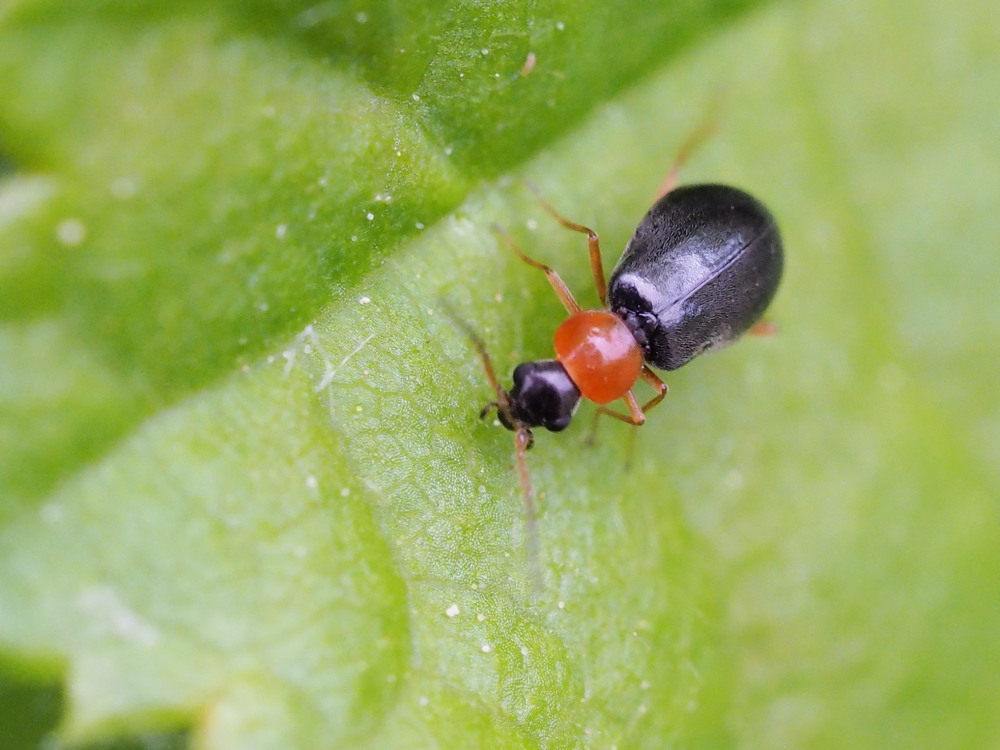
{"points": [[543, 396]]}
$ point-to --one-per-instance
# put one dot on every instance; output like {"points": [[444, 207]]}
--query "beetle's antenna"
{"points": [[503, 400], [522, 442]]}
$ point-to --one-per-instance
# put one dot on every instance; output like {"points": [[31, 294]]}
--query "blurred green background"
{"points": [[245, 501]]}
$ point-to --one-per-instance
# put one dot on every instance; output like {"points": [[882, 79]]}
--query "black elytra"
{"points": [[700, 270]]}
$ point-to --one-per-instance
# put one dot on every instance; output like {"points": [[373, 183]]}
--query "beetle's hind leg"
{"points": [[696, 138], [764, 328], [636, 414], [658, 385]]}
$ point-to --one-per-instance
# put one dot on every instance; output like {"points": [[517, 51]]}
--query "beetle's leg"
{"points": [[559, 287], [593, 244], [634, 417], [503, 400], [697, 137], [591, 440], [637, 414], [522, 442], [763, 328], [654, 380]]}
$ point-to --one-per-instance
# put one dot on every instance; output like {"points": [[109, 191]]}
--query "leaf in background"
{"points": [[244, 490]]}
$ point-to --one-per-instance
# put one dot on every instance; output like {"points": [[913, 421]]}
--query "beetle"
{"points": [[699, 272]]}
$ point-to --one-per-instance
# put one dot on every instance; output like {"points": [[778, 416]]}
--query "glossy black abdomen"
{"points": [[701, 269]]}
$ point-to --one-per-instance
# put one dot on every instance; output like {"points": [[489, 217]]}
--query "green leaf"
{"points": [[246, 501]]}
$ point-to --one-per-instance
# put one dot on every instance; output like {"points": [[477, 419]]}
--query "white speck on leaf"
{"points": [[71, 232], [733, 480], [529, 64], [487, 648], [329, 371], [51, 512], [280, 231], [123, 188], [452, 611]]}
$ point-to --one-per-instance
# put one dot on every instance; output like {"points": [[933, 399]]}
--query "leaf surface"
{"points": [[246, 498]]}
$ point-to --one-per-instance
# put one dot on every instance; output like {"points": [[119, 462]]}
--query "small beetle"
{"points": [[700, 271]]}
